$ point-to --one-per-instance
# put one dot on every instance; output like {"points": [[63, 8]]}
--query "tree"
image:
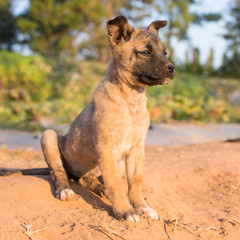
{"points": [[231, 60], [133, 9], [8, 29], [209, 64], [196, 67], [181, 18], [51, 26]]}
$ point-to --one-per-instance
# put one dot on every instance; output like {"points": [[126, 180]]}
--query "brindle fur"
{"points": [[113, 127]]}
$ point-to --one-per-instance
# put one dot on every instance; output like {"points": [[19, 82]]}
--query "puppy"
{"points": [[112, 129]]}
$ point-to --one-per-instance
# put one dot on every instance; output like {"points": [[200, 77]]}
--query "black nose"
{"points": [[170, 68]]}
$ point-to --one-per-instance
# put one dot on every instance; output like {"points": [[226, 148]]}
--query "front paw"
{"points": [[147, 212], [64, 194], [129, 215]]}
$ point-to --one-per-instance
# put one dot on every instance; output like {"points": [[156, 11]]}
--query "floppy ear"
{"points": [[155, 26], [119, 28]]}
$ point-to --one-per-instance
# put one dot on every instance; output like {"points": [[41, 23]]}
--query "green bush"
{"points": [[24, 83], [187, 97], [33, 89], [24, 77]]}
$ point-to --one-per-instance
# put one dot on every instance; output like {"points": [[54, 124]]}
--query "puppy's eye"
{"points": [[145, 53], [165, 53]]}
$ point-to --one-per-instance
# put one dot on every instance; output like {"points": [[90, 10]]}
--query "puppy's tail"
{"points": [[49, 143], [19, 172]]}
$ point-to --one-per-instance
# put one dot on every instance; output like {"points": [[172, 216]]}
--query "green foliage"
{"points": [[210, 17], [8, 29], [231, 60], [209, 64], [187, 97], [34, 90], [52, 26], [230, 65], [24, 78], [81, 79], [57, 88], [24, 81], [192, 64]]}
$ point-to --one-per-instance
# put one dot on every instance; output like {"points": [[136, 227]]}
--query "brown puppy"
{"points": [[113, 127]]}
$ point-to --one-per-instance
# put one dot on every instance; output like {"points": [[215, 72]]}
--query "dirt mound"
{"points": [[195, 190]]}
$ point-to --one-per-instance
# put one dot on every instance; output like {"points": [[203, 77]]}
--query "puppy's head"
{"points": [[139, 52]]}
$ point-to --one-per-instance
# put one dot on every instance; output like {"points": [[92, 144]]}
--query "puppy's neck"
{"points": [[122, 79]]}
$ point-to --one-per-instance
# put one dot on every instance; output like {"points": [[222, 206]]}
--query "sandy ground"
{"points": [[195, 189]]}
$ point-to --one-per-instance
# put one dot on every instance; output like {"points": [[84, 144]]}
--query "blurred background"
{"points": [[54, 53]]}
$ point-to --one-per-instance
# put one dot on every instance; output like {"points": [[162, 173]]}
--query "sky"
{"points": [[209, 35], [204, 37]]}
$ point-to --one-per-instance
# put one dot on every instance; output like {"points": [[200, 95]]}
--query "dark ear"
{"points": [[155, 26], [119, 28]]}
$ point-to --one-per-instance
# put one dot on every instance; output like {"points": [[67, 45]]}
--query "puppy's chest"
{"points": [[132, 137], [138, 114], [135, 129]]}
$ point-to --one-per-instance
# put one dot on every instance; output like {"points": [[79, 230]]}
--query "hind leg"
{"points": [[94, 185], [49, 143]]}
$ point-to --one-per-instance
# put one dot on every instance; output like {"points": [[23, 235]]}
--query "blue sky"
{"points": [[210, 34], [203, 37]]}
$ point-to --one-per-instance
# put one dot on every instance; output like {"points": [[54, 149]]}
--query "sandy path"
{"points": [[161, 134], [195, 189]]}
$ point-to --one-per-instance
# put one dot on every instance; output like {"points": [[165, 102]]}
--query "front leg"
{"points": [[114, 186], [134, 167]]}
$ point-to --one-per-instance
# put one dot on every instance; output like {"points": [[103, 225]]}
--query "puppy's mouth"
{"points": [[168, 79], [151, 81]]}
